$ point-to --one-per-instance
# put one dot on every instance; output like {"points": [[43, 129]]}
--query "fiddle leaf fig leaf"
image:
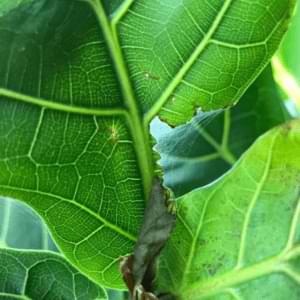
{"points": [[43, 275], [77, 157], [238, 238], [80, 82], [203, 54], [63, 182], [199, 152]]}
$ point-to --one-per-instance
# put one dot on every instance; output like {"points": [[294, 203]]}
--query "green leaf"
{"points": [[290, 48], [76, 159], [21, 228], [239, 237], [195, 154], [64, 182], [287, 62], [43, 275], [192, 54], [79, 89]]}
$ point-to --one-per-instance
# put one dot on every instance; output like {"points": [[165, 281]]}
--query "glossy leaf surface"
{"points": [[43, 275], [78, 89], [239, 237]]}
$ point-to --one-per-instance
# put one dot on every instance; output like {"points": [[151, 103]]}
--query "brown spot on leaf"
{"points": [[150, 76]]}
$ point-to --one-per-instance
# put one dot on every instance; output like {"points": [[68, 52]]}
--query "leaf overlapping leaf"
{"points": [[75, 85], [239, 237], [199, 152], [43, 275], [188, 54]]}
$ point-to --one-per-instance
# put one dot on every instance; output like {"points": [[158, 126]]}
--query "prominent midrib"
{"points": [[192, 251], [120, 12], [139, 135], [236, 277], [108, 224], [197, 233], [188, 64], [253, 202], [223, 150]]}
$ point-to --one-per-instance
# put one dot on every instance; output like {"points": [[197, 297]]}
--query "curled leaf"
{"points": [[139, 269]]}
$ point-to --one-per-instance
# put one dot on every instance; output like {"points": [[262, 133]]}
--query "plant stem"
{"points": [[140, 136]]}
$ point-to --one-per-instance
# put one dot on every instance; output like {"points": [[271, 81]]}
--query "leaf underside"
{"points": [[198, 53], [239, 237], [201, 151], [76, 88]]}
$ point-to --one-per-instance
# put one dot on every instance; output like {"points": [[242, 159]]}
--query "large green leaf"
{"points": [[195, 154], [74, 125], [75, 158], [40, 275], [202, 54], [21, 228], [239, 237]]}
